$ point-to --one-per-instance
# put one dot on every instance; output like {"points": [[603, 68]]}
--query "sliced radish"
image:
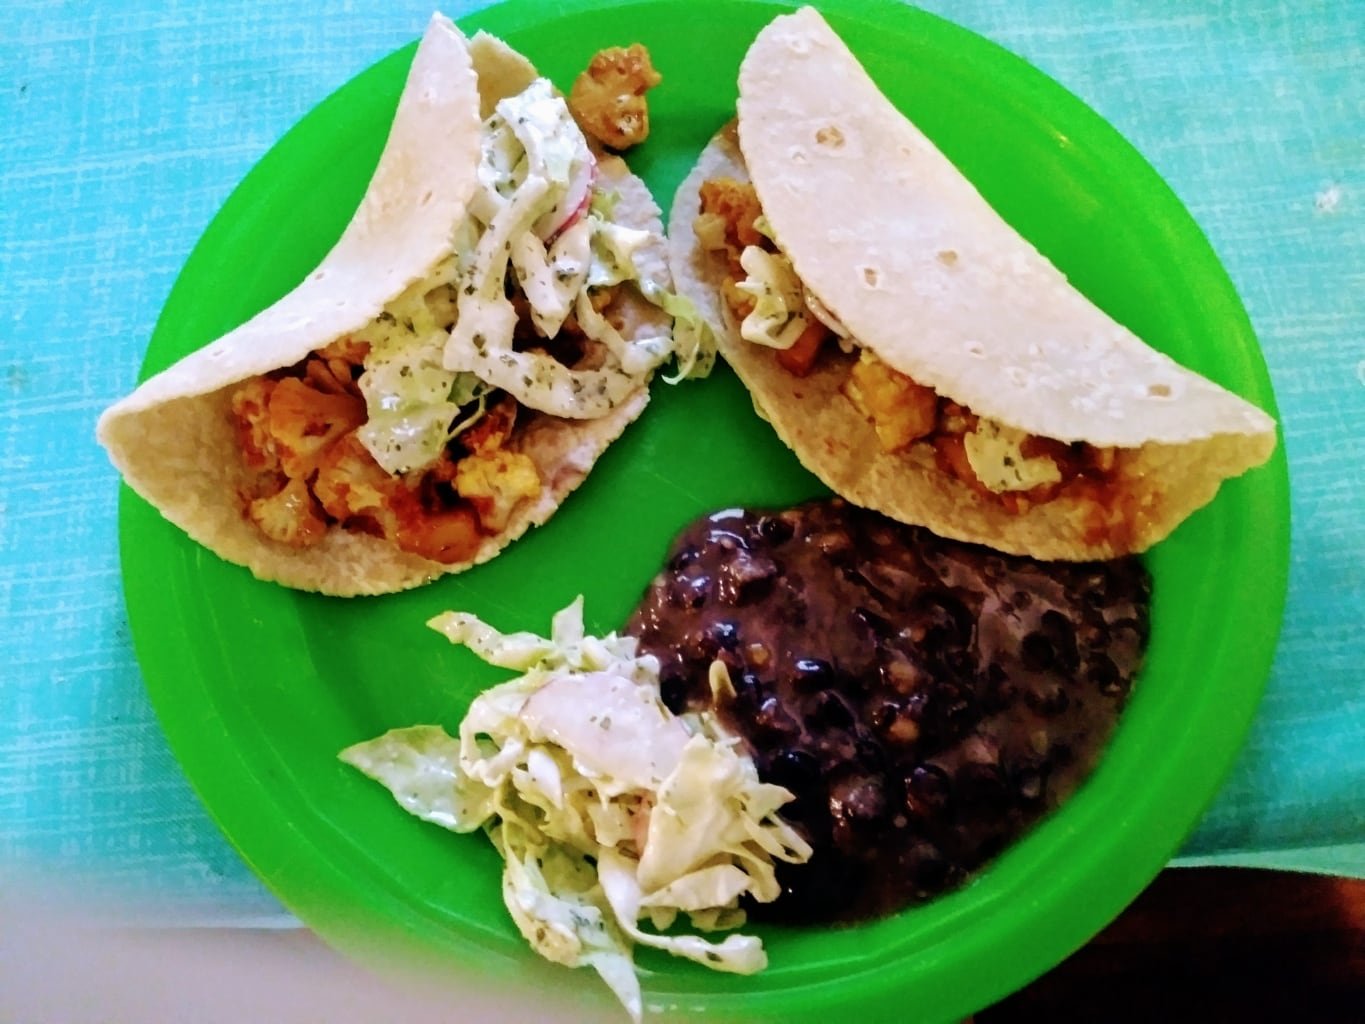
{"points": [[575, 202]]}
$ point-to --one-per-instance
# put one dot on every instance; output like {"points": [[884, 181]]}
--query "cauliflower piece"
{"points": [[491, 430], [608, 99], [351, 485], [901, 411], [346, 349], [333, 368], [799, 359], [304, 422], [250, 403], [495, 482], [735, 204], [331, 377], [290, 516], [449, 536]]}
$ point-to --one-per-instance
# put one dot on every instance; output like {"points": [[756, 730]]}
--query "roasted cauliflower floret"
{"points": [[290, 516], [729, 212], [901, 411], [351, 485], [334, 368], [346, 349], [493, 428], [250, 404], [449, 536], [608, 99], [304, 422], [495, 482], [799, 360]]}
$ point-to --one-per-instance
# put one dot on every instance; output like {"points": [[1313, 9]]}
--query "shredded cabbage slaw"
{"points": [[610, 812], [539, 215]]}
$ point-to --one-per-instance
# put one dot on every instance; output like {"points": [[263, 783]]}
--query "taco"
{"points": [[917, 354], [486, 326]]}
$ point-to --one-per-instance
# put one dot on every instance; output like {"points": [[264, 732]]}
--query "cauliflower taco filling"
{"points": [[1014, 469], [411, 428]]}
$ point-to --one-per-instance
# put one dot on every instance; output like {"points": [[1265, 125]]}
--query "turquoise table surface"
{"points": [[124, 126]]}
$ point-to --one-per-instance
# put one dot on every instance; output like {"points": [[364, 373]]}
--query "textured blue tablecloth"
{"points": [[124, 126]]}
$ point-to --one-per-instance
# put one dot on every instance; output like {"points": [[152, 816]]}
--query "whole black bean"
{"points": [[812, 673], [774, 721], [928, 790], [775, 529], [795, 769]]}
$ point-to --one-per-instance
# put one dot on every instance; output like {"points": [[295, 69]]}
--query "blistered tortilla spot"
{"points": [[872, 276], [948, 257], [829, 136], [1159, 390], [974, 349]]}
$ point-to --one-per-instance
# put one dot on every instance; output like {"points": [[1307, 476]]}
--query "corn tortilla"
{"points": [[866, 207], [173, 438]]}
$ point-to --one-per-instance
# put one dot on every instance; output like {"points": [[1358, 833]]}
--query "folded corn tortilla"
{"points": [[891, 238], [173, 438]]}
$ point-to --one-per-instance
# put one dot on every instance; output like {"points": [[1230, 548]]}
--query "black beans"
{"points": [[796, 769], [826, 711], [1048, 699], [927, 866], [981, 787], [673, 688], [683, 558], [1029, 778], [857, 804], [746, 578], [928, 790], [1036, 652], [1103, 675], [748, 690], [774, 721], [812, 673], [924, 701], [776, 529], [723, 634]]}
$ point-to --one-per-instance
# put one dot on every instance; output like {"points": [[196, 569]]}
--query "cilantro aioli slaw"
{"points": [[539, 212], [608, 809]]}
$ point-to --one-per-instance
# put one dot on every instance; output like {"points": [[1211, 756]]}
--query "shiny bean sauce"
{"points": [[925, 700]]}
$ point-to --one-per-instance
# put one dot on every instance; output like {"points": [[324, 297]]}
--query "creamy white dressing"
{"points": [[439, 348], [610, 725], [779, 315], [534, 179], [413, 403]]}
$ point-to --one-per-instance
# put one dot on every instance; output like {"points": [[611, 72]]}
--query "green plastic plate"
{"points": [[258, 687]]}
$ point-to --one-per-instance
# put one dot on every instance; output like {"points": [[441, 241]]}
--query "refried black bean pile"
{"points": [[925, 700]]}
